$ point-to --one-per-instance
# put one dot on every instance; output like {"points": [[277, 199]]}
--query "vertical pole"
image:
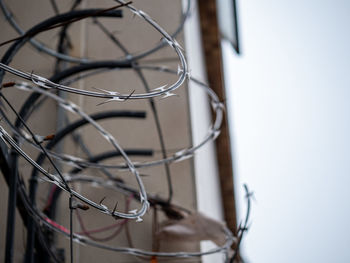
{"points": [[11, 210], [213, 59]]}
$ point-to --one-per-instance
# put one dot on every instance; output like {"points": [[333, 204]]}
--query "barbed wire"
{"points": [[40, 221]]}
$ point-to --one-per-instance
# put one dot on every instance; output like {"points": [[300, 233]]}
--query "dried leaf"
{"points": [[195, 227]]}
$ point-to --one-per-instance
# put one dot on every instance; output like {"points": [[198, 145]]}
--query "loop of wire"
{"points": [[46, 88]]}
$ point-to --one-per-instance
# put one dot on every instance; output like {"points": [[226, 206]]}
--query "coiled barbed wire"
{"points": [[43, 88]]}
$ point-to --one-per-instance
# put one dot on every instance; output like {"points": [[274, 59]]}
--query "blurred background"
{"points": [[288, 94]]}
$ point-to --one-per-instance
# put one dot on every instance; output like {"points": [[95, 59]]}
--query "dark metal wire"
{"points": [[36, 221]]}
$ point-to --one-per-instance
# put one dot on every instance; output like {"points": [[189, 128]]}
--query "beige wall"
{"points": [[89, 41]]}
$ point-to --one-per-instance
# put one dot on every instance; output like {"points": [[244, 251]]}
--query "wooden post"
{"points": [[213, 59]]}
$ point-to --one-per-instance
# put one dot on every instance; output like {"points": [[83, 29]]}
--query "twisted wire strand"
{"points": [[179, 155], [43, 48], [38, 84], [44, 220]]}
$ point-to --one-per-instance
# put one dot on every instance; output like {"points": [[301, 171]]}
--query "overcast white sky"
{"points": [[289, 100]]}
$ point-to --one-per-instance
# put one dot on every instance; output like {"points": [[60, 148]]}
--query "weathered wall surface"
{"points": [[88, 40]]}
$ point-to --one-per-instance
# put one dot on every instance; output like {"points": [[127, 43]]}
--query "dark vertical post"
{"points": [[11, 210], [213, 59]]}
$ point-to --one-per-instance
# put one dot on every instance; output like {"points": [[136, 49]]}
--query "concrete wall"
{"points": [[89, 41]]}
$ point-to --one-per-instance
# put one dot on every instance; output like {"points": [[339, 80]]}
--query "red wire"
{"points": [[103, 229], [104, 239], [49, 200], [55, 224], [82, 225]]}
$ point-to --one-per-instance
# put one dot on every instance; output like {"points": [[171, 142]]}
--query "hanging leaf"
{"points": [[195, 227]]}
